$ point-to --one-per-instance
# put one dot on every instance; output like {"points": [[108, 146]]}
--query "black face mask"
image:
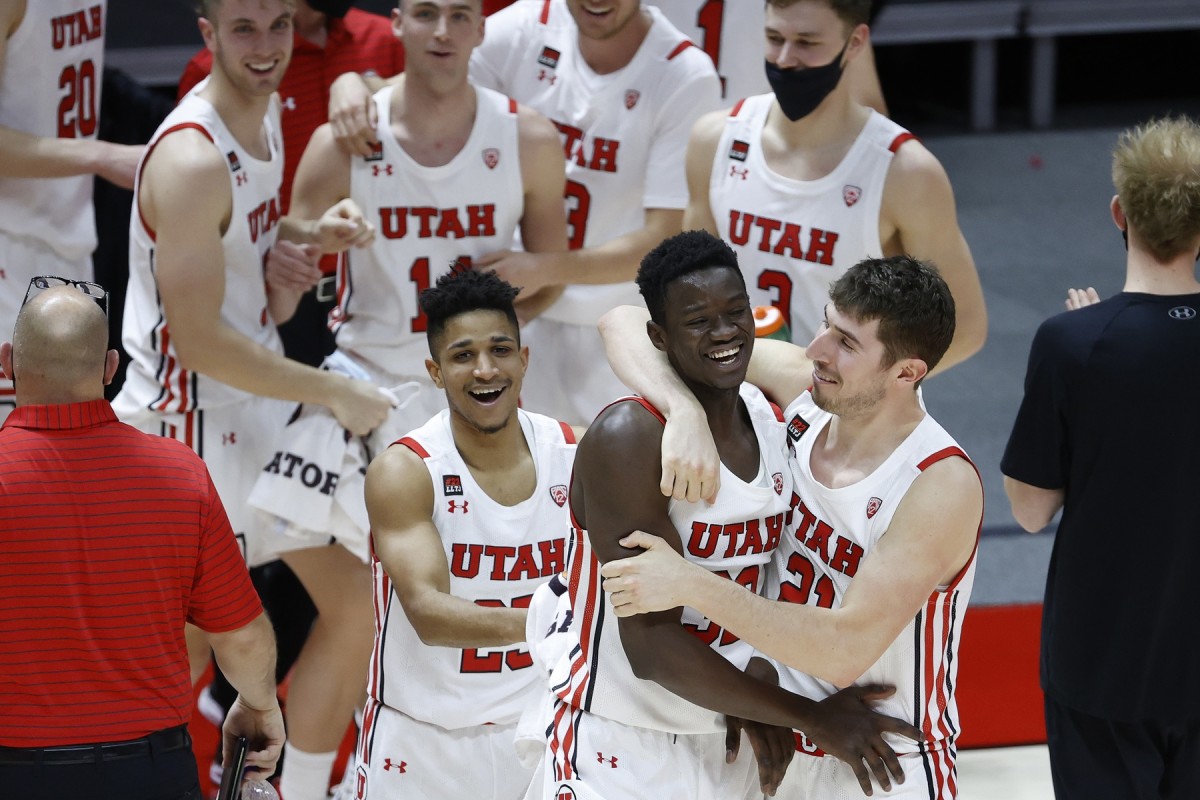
{"points": [[334, 9], [800, 91]]}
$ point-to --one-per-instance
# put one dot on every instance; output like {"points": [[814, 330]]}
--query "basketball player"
{"points": [[51, 65], [206, 364], [876, 567], [458, 172], [468, 516], [806, 182], [647, 694]]}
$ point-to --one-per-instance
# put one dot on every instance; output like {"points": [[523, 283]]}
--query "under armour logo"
{"points": [[242, 178], [229, 438], [389, 765], [546, 75], [456, 506], [289, 103], [386, 169], [738, 172], [612, 762], [1182, 312]]}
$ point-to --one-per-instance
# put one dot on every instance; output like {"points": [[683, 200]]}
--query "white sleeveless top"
{"points": [[53, 68], [426, 218], [624, 133], [498, 555], [735, 536], [156, 380], [793, 238], [833, 530]]}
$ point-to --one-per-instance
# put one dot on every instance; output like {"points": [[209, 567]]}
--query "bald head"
{"points": [[59, 352]]}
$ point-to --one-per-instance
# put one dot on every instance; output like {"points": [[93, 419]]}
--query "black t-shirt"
{"points": [[1111, 415]]}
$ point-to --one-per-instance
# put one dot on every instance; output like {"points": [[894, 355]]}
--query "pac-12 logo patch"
{"points": [[631, 98], [873, 506], [376, 152], [851, 194], [451, 484], [558, 493], [777, 481], [491, 157], [739, 150], [549, 57], [796, 428]]}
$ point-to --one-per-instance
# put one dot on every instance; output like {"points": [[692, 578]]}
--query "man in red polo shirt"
{"points": [[112, 539]]}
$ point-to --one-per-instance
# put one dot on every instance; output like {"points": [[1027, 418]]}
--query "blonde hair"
{"points": [[851, 12], [1156, 170]]}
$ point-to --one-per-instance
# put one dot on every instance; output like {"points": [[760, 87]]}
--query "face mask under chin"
{"points": [[800, 91]]}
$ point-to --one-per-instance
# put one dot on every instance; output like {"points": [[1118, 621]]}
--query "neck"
{"points": [[1144, 274], [242, 113], [835, 122], [422, 105], [605, 56], [723, 408], [867, 439], [54, 396], [489, 451]]}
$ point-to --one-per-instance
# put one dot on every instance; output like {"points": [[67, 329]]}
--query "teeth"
{"points": [[486, 394], [721, 355], [264, 67]]}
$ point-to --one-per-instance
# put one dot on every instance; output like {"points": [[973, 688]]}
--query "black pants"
{"points": [[158, 767], [1099, 759]]}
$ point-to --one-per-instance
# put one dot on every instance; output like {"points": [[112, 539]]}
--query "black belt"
{"points": [[166, 741]]}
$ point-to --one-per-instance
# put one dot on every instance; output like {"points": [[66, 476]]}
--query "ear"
{"points": [[1118, 213], [658, 337], [482, 30], [435, 373], [6, 359], [397, 21], [111, 362], [911, 370], [524, 360], [859, 39], [208, 33]]}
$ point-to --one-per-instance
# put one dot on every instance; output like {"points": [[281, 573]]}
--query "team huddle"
{"points": [[748, 576]]}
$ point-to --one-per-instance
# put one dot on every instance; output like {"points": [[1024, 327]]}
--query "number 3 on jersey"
{"points": [[77, 108], [419, 274]]}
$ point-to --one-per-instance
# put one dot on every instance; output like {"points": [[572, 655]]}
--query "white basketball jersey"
{"points": [[732, 37], [794, 238], [833, 530], [156, 380], [498, 555], [734, 537], [624, 133], [53, 68], [426, 218]]}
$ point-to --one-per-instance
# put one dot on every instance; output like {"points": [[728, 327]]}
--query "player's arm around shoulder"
{"points": [[918, 204], [701, 151], [930, 541], [399, 495], [780, 369]]}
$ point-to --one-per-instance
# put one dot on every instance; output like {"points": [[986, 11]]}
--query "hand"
{"points": [[360, 406], [773, 748], [527, 271], [343, 226], [652, 581], [529, 308], [848, 729], [691, 467], [118, 163], [293, 267], [263, 728], [352, 114], [1078, 298]]}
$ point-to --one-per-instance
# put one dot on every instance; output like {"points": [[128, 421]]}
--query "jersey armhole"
{"points": [[146, 158], [414, 445]]}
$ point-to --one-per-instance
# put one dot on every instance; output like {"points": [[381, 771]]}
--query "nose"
{"points": [[787, 57], [818, 345], [441, 30], [724, 327], [485, 368]]}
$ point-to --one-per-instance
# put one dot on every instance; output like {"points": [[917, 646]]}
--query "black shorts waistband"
{"points": [[164, 741]]}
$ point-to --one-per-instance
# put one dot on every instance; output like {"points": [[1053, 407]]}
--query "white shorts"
{"points": [[21, 260], [568, 377], [310, 490], [401, 757], [827, 778], [593, 758], [235, 442]]}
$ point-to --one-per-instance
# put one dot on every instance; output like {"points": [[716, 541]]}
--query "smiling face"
{"points": [[849, 376], [806, 34], [480, 364], [439, 35], [603, 19], [708, 327], [251, 42]]}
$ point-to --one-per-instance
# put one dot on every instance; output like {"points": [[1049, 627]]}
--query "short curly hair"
{"points": [[461, 291], [1156, 170], [679, 255]]}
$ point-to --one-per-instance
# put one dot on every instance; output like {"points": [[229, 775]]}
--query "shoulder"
{"points": [[12, 12], [188, 149], [400, 468], [536, 129], [626, 426], [953, 480], [915, 169], [359, 22]]}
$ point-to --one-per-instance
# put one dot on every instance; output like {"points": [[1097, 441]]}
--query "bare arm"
{"points": [[186, 199], [24, 155], [701, 149], [919, 202], [544, 221], [247, 658], [1032, 506], [399, 496], [352, 114], [930, 540]]}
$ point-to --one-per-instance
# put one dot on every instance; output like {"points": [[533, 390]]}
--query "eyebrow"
{"points": [[842, 330], [497, 339]]}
